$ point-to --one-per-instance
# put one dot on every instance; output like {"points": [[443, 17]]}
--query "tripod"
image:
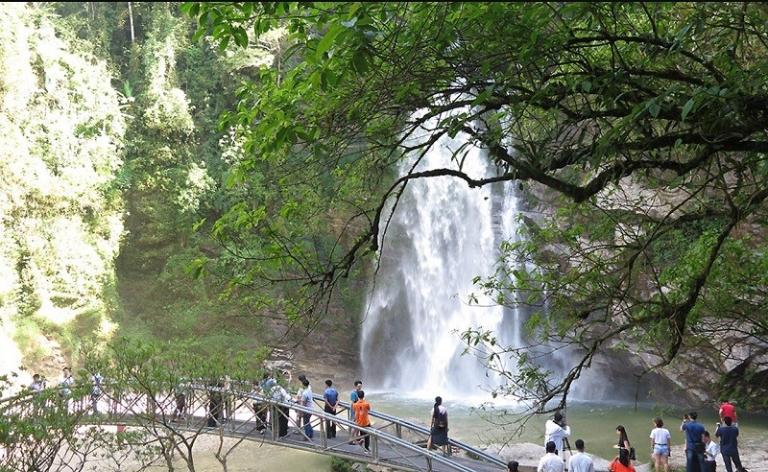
{"points": [[570, 452]]}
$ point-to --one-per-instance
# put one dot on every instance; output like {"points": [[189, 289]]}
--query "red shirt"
{"points": [[726, 409]]}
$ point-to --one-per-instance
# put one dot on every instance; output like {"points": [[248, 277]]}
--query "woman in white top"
{"points": [[660, 442]]}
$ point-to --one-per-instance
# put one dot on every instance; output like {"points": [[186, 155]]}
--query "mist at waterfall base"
{"points": [[442, 235]]}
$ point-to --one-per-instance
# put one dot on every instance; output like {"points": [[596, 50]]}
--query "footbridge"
{"points": [[234, 412]]}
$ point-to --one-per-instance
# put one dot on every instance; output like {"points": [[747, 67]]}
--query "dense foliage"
{"points": [[641, 125], [60, 205]]}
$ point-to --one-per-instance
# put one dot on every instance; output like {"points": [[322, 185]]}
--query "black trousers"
{"points": [[282, 420], [330, 426]]}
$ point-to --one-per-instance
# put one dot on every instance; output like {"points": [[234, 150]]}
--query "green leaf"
{"points": [[687, 108], [327, 41], [240, 37], [654, 109]]}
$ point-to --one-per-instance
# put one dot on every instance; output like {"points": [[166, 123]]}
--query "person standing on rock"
{"points": [[550, 462], [438, 432], [331, 398], [660, 443], [729, 446], [694, 447], [581, 461], [556, 430], [728, 409]]}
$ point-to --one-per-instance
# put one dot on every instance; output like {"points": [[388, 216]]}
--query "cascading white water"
{"points": [[441, 236]]}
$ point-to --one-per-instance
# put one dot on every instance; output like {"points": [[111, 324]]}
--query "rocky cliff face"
{"points": [[717, 356]]}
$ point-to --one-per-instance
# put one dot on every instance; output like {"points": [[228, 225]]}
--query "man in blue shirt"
{"points": [[729, 447], [352, 399], [694, 444], [331, 397]]}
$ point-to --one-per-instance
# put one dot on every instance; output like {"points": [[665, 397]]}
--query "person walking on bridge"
{"points": [[283, 411], [331, 398], [438, 432], [353, 397], [362, 408], [305, 400]]}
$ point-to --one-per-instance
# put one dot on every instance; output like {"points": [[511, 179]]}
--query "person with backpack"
{"points": [[438, 432]]}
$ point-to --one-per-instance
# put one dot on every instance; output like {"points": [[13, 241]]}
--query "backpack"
{"points": [[442, 420]]}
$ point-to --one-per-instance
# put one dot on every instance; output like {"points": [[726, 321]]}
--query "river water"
{"points": [[594, 423]]}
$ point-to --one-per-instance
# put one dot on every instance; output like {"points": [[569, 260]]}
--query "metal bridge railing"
{"points": [[242, 414]]}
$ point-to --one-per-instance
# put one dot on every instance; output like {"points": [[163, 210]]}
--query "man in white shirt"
{"points": [[551, 462], [555, 430], [581, 461], [712, 449]]}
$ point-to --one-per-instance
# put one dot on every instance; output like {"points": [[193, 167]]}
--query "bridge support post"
{"points": [[399, 430], [323, 433], [275, 420], [375, 448]]}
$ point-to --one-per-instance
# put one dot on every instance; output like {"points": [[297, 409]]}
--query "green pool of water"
{"points": [[594, 423]]}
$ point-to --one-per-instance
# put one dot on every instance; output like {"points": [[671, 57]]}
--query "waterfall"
{"points": [[441, 236]]}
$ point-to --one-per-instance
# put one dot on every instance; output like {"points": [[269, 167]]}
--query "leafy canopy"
{"points": [[640, 126]]}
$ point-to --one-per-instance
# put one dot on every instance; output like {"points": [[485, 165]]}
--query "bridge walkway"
{"points": [[394, 442]]}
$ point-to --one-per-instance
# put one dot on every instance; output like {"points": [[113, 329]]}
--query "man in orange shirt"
{"points": [[362, 407]]}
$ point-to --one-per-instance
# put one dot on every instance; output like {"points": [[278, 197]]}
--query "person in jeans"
{"points": [[729, 446], [305, 400], [694, 447], [331, 398]]}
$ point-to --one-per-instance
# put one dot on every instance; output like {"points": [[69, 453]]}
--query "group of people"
{"points": [[700, 449], [358, 412], [270, 388], [65, 386]]}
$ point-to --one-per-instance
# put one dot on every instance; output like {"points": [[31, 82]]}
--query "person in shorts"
{"points": [[660, 445]]}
